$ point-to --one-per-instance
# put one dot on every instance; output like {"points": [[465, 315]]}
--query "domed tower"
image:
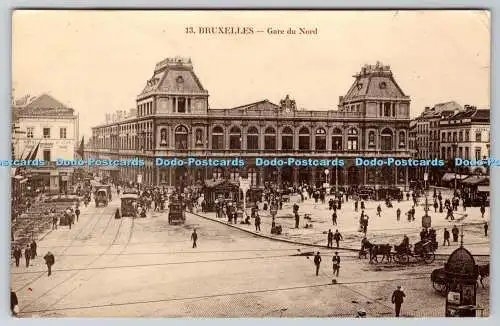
{"points": [[376, 94]]}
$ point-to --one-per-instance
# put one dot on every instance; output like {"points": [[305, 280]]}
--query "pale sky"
{"points": [[99, 61]]}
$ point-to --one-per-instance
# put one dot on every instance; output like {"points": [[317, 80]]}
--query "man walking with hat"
{"points": [[398, 298]]}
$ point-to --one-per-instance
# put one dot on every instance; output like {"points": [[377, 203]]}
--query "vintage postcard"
{"points": [[250, 163]]}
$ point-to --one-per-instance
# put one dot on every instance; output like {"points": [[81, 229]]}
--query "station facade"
{"points": [[173, 119]]}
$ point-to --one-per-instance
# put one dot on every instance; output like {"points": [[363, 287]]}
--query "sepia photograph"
{"points": [[250, 163]]}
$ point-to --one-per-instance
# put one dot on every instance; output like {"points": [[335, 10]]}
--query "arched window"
{"points": [[402, 139], [352, 139], [371, 138], [304, 139], [320, 139], [386, 138], [217, 138], [181, 137], [337, 139], [252, 138], [270, 138], [287, 139], [235, 138]]}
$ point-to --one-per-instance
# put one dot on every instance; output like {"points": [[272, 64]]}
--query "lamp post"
{"points": [[454, 145], [327, 181], [336, 169]]}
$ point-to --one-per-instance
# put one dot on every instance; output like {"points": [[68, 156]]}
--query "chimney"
{"points": [[427, 108], [341, 98]]}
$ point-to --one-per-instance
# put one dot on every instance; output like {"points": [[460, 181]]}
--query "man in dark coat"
{"points": [[77, 213], [482, 210], [194, 237], [446, 237], [334, 218], [297, 220], [337, 236], [317, 262], [33, 249], [336, 264], [486, 229], [330, 239], [257, 222], [17, 255], [13, 302], [398, 298], [49, 261], [455, 233], [27, 255]]}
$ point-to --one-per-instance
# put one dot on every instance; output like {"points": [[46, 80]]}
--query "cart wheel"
{"points": [[402, 258], [429, 257]]}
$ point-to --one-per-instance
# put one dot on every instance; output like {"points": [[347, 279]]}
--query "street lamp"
{"points": [[336, 169], [454, 145], [327, 181]]}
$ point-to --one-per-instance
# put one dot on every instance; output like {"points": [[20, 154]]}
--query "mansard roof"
{"points": [[174, 75], [374, 81]]}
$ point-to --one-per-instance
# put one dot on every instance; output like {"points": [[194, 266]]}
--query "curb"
{"points": [[292, 241], [274, 238]]}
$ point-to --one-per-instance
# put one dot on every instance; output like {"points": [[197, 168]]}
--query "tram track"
{"points": [[77, 271]]}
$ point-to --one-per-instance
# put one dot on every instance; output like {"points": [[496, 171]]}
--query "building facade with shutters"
{"points": [[46, 123], [174, 120]]}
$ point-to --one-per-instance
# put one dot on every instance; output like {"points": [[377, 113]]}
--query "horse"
{"points": [[483, 271], [384, 250]]}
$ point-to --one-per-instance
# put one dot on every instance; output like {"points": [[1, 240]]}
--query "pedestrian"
{"points": [[77, 213], [362, 205], [257, 223], [455, 232], [398, 214], [337, 236], [297, 220], [435, 206], [334, 218], [13, 303], [33, 249], [194, 237], [49, 261], [54, 221], [446, 237], [397, 299], [27, 255], [17, 255], [482, 210], [356, 206], [336, 264], [330, 239], [317, 262], [117, 214], [379, 210], [485, 229]]}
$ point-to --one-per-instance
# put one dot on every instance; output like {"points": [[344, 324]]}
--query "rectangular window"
{"points": [[467, 135], [466, 154], [478, 153], [46, 132], [181, 105], [46, 155], [478, 136], [62, 133], [352, 144], [29, 132]]}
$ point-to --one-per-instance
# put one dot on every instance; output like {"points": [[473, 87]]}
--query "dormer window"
{"points": [[383, 85], [179, 80], [360, 85]]}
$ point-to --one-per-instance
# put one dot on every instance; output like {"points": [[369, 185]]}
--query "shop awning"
{"points": [[451, 176], [475, 180], [483, 188]]}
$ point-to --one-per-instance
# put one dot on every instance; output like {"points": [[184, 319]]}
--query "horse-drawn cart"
{"points": [[422, 251]]}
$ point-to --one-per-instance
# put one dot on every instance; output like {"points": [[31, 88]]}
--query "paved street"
{"points": [[145, 267], [383, 229]]}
